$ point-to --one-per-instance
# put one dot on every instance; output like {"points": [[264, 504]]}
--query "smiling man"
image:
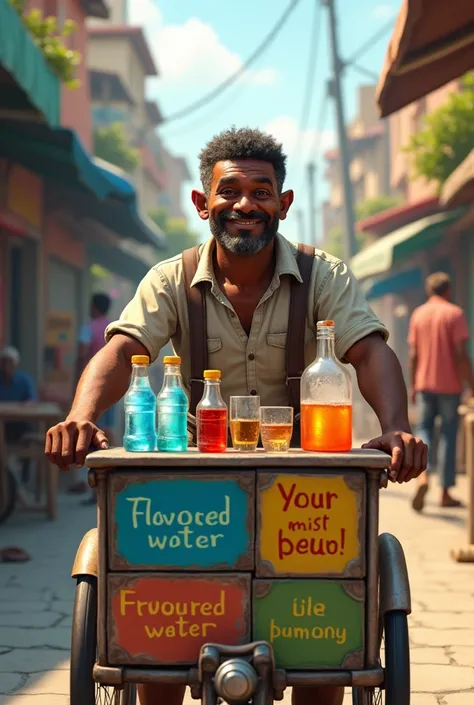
{"points": [[252, 295]]}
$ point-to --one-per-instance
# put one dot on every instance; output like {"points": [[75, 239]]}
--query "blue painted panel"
{"points": [[183, 523]]}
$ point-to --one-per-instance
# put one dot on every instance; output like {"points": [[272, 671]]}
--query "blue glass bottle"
{"points": [[172, 407], [140, 409]]}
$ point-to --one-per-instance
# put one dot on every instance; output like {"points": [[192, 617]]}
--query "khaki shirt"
{"points": [[255, 363]]}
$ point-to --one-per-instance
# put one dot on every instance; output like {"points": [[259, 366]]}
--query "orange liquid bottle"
{"points": [[326, 399]]}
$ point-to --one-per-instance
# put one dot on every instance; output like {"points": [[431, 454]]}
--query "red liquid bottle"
{"points": [[211, 416]]}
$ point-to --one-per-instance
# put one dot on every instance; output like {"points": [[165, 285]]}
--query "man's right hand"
{"points": [[69, 442]]}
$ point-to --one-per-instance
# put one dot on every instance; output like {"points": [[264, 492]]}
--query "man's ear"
{"points": [[200, 203], [286, 199]]}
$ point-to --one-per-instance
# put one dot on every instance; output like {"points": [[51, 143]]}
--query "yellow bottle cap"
{"points": [[171, 360], [212, 374], [140, 360], [325, 324]]}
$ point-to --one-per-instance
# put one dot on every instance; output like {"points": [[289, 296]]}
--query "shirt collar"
{"points": [[285, 261]]}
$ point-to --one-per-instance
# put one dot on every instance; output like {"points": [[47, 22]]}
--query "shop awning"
{"points": [[432, 44], [27, 84], [59, 156], [117, 261], [401, 244], [396, 284], [459, 188]]}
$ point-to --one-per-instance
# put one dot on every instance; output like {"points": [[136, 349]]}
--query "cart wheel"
{"points": [[396, 688], [10, 498], [84, 690]]}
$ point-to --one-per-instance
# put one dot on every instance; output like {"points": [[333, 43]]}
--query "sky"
{"points": [[197, 45]]}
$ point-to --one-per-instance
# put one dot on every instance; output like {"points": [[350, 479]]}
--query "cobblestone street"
{"points": [[36, 602]]}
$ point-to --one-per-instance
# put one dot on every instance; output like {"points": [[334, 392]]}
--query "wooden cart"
{"points": [[239, 574]]}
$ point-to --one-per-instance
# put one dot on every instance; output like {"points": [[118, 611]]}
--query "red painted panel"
{"points": [[166, 619]]}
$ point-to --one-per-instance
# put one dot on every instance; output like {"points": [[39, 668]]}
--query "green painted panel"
{"points": [[311, 623]]}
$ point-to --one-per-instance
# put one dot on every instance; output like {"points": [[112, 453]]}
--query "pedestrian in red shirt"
{"points": [[439, 368]]}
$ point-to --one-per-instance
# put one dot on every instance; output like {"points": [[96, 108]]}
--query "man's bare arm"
{"points": [[412, 368], [103, 383], [464, 365], [381, 382]]}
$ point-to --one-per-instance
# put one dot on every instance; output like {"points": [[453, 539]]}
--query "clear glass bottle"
{"points": [[140, 409], [172, 407], [326, 398], [211, 416]]}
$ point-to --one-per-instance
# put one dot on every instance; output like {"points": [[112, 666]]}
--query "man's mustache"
{"points": [[237, 215]]}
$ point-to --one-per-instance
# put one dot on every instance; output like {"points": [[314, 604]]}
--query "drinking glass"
{"points": [[276, 428], [244, 422]]}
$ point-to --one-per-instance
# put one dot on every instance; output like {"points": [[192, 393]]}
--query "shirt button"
{"points": [[251, 356], [253, 392]]}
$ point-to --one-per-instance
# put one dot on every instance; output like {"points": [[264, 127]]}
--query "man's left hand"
{"points": [[409, 454]]}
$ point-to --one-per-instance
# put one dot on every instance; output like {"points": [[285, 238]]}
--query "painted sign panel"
{"points": [[311, 623], [311, 525], [183, 522], [166, 618]]}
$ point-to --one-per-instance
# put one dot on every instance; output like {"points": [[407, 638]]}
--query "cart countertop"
{"points": [[356, 458]]}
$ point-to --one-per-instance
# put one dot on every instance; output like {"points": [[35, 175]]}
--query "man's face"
{"points": [[244, 205], [7, 368]]}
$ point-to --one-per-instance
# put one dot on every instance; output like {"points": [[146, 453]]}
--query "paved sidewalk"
{"points": [[36, 602]]}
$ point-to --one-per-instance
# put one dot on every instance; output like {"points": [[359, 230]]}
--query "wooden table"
{"points": [[43, 415]]}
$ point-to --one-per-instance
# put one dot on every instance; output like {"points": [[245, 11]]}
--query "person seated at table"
{"points": [[245, 272], [16, 386]]}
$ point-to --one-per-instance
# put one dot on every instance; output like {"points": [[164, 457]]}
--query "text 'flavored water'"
{"points": [[172, 409], [140, 409]]}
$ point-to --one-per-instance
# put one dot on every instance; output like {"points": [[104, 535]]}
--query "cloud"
{"points": [[384, 11], [299, 144], [191, 53]]}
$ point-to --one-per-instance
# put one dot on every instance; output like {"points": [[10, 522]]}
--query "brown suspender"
{"points": [[295, 336], [196, 299]]}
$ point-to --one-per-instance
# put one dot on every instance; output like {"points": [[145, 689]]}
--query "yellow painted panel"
{"points": [[309, 525]]}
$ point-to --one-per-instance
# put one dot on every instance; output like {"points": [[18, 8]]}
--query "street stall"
{"points": [[239, 574]]}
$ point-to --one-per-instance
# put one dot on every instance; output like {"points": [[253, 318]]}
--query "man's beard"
{"points": [[244, 243]]}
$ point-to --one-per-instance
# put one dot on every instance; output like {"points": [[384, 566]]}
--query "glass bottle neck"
{"points": [[140, 375], [325, 345], [212, 393], [172, 377]]}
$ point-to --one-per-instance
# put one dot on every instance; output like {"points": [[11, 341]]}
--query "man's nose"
{"points": [[244, 204]]}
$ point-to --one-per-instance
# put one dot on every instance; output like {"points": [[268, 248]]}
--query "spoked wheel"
{"points": [[396, 688], [83, 689]]}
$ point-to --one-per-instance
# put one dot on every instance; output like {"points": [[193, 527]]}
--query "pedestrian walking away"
{"points": [[252, 294], [439, 370]]}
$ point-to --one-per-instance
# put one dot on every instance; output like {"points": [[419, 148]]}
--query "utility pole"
{"points": [[344, 157], [300, 219], [312, 202]]}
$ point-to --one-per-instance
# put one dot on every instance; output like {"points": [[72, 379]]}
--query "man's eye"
{"points": [[261, 193], [227, 192]]}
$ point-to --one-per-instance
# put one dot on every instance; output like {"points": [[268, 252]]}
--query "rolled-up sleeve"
{"points": [[151, 316], [341, 300]]}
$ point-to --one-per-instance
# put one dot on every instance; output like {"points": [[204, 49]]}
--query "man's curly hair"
{"points": [[242, 143]]}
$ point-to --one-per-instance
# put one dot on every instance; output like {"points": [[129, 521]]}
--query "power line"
{"points": [[363, 71], [271, 36], [312, 60], [380, 34]]}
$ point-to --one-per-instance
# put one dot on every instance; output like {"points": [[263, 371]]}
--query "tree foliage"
{"points": [[447, 137], [334, 244], [178, 236], [111, 144], [52, 42], [374, 205]]}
